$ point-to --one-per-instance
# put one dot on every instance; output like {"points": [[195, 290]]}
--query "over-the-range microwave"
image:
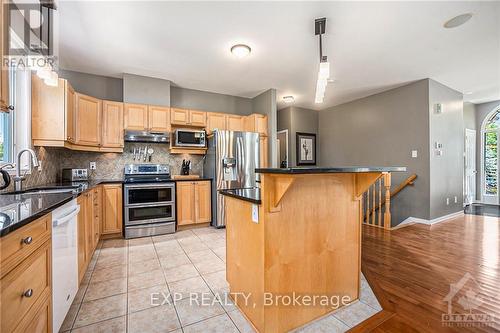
{"points": [[189, 138]]}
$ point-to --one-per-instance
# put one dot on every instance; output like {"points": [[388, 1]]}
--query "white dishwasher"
{"points": [[64, 261]]}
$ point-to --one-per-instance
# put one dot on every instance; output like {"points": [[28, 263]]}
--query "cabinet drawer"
{"points": [[24, 286], [19, 244], [39, 320]]}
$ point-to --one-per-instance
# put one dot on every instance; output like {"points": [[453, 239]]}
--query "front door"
{"points": [[470, 167]]}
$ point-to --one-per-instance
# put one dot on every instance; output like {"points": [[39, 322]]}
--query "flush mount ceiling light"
{"points": [[457, 21], [241, 50], [288, 99], [324, 65]]}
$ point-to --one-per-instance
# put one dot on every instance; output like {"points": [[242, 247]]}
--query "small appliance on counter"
{"points": [[74, 175], [186, 166]]}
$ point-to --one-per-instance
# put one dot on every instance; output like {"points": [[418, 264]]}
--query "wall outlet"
{"points": [[447, 201], [92, 166], [255, 213], [456, 199], [40, 166], [414, 154]]}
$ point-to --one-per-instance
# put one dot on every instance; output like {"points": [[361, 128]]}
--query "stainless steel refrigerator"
{"points": [[230, 161]]}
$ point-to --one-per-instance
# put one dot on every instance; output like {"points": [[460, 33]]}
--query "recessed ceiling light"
{"points": [[457, 21], [241, 50], [288, 99]]}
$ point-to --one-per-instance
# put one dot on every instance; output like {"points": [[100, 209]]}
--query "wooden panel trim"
{"points": [[365, 180], [281, 185]]}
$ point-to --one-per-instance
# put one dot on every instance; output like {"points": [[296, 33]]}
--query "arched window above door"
{"points": [[493, 121]]}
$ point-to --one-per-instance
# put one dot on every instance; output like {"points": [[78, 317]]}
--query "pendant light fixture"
{"points": [[324, 65]]}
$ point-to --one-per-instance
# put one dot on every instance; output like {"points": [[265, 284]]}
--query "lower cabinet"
{"points": [[85, 232], [194, 202], [112, 217], [25, 299]]}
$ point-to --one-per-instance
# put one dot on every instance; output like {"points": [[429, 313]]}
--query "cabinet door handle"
{"points": [[28, 293], [28, 240]]}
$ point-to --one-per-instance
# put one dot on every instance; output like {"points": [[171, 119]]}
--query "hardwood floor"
{"points": [[411, 269]]}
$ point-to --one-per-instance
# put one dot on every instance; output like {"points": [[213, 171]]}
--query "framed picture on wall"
{"points": [[306, 148]]}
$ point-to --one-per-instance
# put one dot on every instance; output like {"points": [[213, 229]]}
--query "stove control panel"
{"points": [[147, 169]]}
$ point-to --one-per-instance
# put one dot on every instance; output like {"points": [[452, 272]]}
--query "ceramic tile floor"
{"points": [[116, 293]]}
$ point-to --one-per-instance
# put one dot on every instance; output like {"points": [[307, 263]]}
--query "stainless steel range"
{"points": [[149, 200]]}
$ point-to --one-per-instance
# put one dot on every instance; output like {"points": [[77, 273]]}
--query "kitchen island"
{"points": [[294, 246]]}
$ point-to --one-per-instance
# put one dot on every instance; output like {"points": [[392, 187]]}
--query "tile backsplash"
{"points": [[108, 165]]}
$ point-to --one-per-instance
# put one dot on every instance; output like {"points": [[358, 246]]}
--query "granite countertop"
{"points": [[248, 194], [17, 210], [316, 170]]}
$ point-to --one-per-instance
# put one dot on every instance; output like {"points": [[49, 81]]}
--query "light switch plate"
{"points": [[92, 166], [255, 213], [414, 153]]}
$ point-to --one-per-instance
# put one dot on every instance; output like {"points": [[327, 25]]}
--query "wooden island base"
{"points": [[306, 242]]}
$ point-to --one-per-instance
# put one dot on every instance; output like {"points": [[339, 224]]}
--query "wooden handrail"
{"points": [[408, 181]]}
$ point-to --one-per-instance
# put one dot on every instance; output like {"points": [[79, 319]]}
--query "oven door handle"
{"points": [[153, 204], [148, 186]]}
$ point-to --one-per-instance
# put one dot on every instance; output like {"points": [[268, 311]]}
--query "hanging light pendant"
{"points": [[324, 65]]}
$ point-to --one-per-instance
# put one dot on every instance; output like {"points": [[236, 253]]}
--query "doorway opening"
{"points": [[283, 148]]}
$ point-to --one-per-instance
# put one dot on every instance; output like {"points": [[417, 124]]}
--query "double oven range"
{"points": [[149, 200]]}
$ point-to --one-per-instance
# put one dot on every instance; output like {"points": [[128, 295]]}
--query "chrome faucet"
{"points": [[18, 179]]}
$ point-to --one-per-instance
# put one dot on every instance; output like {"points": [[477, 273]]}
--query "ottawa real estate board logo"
{"points": [[467, 302]]}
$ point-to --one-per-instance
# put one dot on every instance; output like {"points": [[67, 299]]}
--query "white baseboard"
{"points": [[413, 220]]}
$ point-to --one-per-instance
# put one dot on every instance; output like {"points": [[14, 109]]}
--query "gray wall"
{"points": [[207, 101], [146, 90], [265, 103], [447, 170], [469, 115], [383, 129], [482, 111], [102, 87], [297, 119]]}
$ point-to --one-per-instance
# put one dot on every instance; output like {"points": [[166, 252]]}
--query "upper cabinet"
{"points": [[215, 121], [112, 124], [52, 113], [4, 75], [158, 118], [235, 123], [88, 120], [136, 117], [188, 117], [256, 123], [142, 117]]}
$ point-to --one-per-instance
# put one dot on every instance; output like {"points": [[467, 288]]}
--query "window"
{"points": [[15, 127], [490, 154]]}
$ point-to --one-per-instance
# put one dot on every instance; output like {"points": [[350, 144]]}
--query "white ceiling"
{"points": [[372, 46]]}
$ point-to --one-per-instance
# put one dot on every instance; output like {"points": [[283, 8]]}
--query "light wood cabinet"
{"points": [[193, 202], [112, 124], [263, 152], [4, 74], [136, 116], [97, 213], [188, 117], [235, 123], [25, 287], [179, 116], [82, 232], [38, 320], [256, 123], [70, 107], [158, 118], [197, 118], [88, 120], [111, 221], [89, 225], [215, 121], [202, 202], [52, 113]]}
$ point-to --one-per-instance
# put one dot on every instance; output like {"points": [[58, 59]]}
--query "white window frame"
{"points": [[489, 198]]}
